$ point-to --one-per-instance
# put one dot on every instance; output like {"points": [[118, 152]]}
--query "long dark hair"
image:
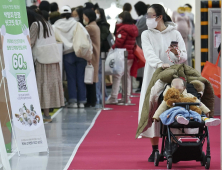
{"points": [[66, 15], [161, 11], [90, 14], [79, 11], [102, 15], [33, 16], [127, 18], [141, 8]]}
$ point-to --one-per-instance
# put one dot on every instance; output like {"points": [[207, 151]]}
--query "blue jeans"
{"points": [[99, 85], [75, 71]]}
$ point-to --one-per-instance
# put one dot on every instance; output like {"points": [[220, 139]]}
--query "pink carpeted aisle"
{"points": [[111, 144]]}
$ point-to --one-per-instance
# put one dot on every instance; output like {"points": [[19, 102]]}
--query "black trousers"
{"points": [[91, 94]]}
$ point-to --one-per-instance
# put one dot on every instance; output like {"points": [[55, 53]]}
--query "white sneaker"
{"points": [[72, 105], [81, 105], [122, 100], [112, 101], [182, 120], [212, 122]]}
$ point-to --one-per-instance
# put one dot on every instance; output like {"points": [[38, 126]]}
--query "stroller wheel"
{"points": [[169, 163], [203, 159], [156, 158], [207, 165]]}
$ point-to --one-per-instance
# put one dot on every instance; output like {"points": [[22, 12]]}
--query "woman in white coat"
{"points": [[155, 42]]}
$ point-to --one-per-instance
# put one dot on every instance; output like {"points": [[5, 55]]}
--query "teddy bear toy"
{"points": [[173, 96]]}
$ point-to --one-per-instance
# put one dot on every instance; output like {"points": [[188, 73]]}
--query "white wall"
{"points": [[171, 4]]}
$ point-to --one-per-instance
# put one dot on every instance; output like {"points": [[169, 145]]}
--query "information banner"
{"points": [[20, 74]]}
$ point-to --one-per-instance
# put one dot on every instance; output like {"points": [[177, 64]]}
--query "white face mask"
{"points": [[97, 16], [85, 23], [119, 20], [151, 23], [76, 18]]}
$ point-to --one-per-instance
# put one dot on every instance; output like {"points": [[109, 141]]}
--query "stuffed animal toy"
{"points": [[173, 96]]}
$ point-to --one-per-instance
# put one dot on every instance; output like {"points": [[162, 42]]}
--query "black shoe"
{"points": [[87, 105], [152, 156], [138, 91]]}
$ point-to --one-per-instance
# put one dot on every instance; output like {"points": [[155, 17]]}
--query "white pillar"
{"points": [[198, 37]]}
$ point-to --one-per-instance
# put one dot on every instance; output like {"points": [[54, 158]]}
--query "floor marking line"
{"points": [[81, 140]]}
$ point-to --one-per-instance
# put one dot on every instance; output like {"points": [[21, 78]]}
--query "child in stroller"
{"points": [[175, 144]]}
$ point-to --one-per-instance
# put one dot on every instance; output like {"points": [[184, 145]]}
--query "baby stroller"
{"points": [[184, 149]]}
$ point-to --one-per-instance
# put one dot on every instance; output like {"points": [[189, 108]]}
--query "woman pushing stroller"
{"points": [[158, 52]]}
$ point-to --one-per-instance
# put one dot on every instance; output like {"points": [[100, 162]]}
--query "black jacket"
{"points": [[54, 16], [104, 33]]}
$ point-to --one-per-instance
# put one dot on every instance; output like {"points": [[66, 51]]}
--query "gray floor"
{"points": [[62, 134]]}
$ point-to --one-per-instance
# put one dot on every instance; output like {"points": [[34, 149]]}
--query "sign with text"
{"points": [[20, 74]]}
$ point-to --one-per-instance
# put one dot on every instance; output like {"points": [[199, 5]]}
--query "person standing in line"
{"points": [[89, 19], [125, 38], [74, 66], [188, 9], [128, 7], [46, 59], [44, 7], [54, 15], [141, 10], [77, 14], [104, 47], [155, 42], [183, 23]]}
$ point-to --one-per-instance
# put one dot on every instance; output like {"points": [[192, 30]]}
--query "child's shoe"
{"points": [[212, 122], [182, 120]]}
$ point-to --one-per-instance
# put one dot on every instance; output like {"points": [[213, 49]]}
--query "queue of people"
{"points": [[59, 24]]}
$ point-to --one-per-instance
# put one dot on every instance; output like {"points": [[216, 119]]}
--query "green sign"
{"points": [[14, 15]]}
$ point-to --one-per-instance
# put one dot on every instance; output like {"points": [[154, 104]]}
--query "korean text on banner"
{"points": [[20, 74]]}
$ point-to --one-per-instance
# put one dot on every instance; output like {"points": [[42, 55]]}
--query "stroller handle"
{"points": [[186, 104]]}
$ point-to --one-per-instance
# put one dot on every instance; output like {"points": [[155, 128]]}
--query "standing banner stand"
{"points": [[27, 120], [132, 89], [103, 58], [3, 154], [124, 91]]}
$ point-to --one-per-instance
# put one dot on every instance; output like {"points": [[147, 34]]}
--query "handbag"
{"points": [[114, 64], [89, 74], [82, 43], [110, 40], [139, 61], [212, 73], [138, 52]]}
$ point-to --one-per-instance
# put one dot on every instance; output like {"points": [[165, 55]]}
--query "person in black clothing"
{"points": [[104, 33], [44, 6], [54, 15]]}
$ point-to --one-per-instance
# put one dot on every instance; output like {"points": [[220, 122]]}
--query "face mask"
{"points": [[97, 16], [119, 21], [85, 23], [76, 18], [151, 23]]}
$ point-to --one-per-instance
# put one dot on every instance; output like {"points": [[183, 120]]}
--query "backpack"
{"points": [[82, 43]]}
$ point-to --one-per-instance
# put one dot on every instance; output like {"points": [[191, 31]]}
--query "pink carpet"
{"points": [[111, 144]]}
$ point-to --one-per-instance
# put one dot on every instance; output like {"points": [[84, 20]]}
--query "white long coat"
{"points": [[155, 45]]}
